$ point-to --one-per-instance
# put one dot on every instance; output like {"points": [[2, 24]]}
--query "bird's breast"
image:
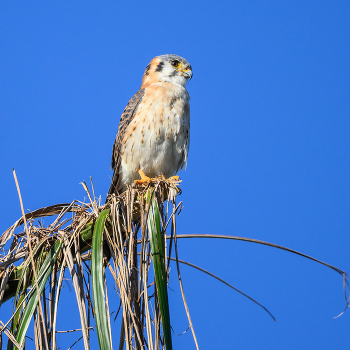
{"points": [[157, 139]]}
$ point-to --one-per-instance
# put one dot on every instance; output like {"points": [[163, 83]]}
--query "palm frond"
{"points": [[122, 238]]}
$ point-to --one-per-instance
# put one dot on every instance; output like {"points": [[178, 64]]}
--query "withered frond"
{"points": [[132, 229]]}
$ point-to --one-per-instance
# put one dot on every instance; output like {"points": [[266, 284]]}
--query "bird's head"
{"points": [[167, 68]]}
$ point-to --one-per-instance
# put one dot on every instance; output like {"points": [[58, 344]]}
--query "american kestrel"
{"points": [[154, 131]]}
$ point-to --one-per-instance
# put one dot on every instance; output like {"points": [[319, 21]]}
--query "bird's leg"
{"points": [[144, 178], [175, 178]]}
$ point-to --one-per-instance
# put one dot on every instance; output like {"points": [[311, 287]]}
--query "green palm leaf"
{"points": [[26, 268], [155, 233], [44, 274], [97, 277]]}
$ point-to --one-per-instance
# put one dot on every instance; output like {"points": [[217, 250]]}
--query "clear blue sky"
{"points": [[269, 154]]}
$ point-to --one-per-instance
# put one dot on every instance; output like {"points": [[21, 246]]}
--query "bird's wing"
{"points": [[125, 120]]}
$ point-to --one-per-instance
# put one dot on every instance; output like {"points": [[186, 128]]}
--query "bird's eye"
{"points": [[175, 63]]}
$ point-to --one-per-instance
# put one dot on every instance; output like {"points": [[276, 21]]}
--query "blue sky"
{"points": [[269, 154]]}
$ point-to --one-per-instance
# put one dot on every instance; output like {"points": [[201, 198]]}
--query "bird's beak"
{"points": [[187, 73]]}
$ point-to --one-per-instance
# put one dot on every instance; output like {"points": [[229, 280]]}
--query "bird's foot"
{"points": [[147, 180], [144, 178], [175, 179]]}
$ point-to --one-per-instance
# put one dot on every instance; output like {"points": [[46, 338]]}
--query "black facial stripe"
{"points": [[147, 69], [173, 73], [159, 67]]}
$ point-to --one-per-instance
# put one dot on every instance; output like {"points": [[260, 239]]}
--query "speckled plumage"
{"points": [[154, 129]]}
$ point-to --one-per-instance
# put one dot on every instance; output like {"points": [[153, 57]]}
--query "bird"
{"points": [[153, 136]]}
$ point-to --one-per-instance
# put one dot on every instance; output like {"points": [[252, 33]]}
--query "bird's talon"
{"points": [[175, 178], [144, 178]]}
